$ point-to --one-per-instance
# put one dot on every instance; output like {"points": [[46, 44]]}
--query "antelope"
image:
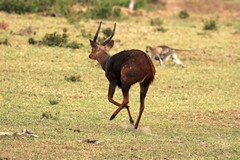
{"points": [[123, 69], [163, 53]]}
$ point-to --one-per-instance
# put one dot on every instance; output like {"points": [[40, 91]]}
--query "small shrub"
{"points": [[85, 34], [100, 40], [61, 7], [57, 116], [183, 14], [117, 13], [156, 22], [46, 115], [210, 25], [32, 41], [18, 6], [102, 9], [72, 78], [107, 31], [74, 45], [161, 29], [49, 115], [53, 101], [56, 40], [5, 42], [141, 4], [122, 3]]}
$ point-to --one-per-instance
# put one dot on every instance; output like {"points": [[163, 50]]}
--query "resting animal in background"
{"points": [[123, 70], [163, 53]]}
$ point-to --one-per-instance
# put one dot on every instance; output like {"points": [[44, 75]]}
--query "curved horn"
{"points": [[96, 35], [110, 37]]}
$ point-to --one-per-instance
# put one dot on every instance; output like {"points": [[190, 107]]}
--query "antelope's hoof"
{"points": [[112, 117], [131, 121]]}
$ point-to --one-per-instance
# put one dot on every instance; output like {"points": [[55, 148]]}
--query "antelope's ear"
{"points": [[109, 45], [92, 43]]}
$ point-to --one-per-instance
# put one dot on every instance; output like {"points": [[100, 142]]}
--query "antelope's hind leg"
{"points": [[143, 93]]}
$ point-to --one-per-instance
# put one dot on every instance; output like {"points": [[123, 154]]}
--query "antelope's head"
{"points": [[100, 49]]}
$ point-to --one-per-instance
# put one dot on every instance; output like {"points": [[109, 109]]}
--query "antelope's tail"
{"points": [[151, 64], [183, 51]]}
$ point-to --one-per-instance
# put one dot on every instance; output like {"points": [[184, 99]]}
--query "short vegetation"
{"points": [[210, 25], [5, 42], [157, 23], [183, 14], [97, 9], [56, 40]]}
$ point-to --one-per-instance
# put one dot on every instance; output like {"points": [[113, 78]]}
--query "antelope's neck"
{"points": [[102, 59]]}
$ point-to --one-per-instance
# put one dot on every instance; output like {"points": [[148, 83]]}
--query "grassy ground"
{"points": [[191, 113]]}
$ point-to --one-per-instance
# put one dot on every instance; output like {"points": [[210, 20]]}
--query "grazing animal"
{"points": [[163, 53], [123, 70]]}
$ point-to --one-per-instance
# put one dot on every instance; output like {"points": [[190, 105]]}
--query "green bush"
{"points": [[32, 41], [5, 42], [101, 9], [18, 6], [107, 31], [122, 3], [117, 13], [141, 4], [56, 40], [210, 25], [53, 101], [145, 4], [61, 7], [183, 14]]}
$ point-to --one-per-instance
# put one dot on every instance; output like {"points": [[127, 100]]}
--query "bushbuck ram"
{"points": [[123, 70], [163, 53]]}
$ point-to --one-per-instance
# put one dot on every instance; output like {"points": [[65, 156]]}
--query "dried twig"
{"points": [[25, 132]]}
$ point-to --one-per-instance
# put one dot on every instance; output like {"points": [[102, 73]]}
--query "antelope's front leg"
{"points": [[111, 91]]}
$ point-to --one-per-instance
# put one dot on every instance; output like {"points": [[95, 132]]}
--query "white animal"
{"points": [[162, 53]]}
